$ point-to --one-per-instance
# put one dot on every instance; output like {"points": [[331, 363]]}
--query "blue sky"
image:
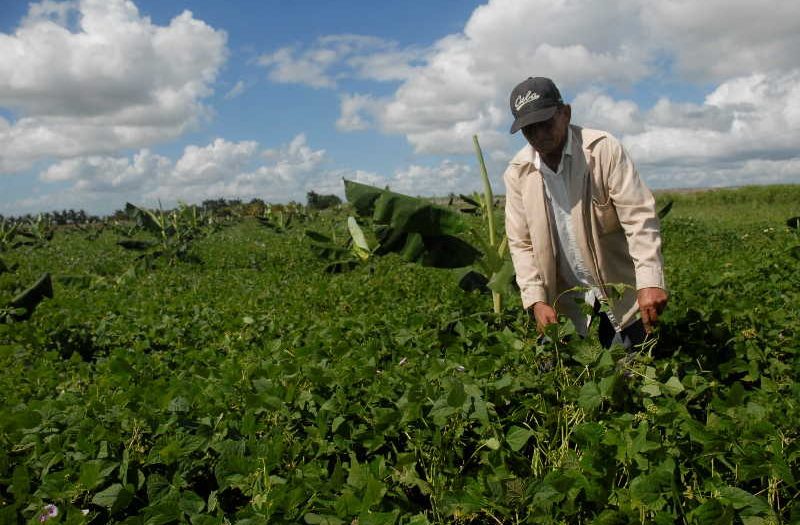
{"points": [[108, 101]]}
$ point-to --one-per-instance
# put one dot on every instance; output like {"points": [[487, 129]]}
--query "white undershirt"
{"points": [[572, 270]]}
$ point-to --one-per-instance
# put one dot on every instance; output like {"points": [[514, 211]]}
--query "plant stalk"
{"points": [[488, 198], [487, 192]]}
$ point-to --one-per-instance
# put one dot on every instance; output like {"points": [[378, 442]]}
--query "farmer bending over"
{"points": [[578, 215]]}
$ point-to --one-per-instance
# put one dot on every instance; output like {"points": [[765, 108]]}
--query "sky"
{"points": [[104, 102]]}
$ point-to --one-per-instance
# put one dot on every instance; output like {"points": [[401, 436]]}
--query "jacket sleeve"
{"points": [[636, 210], [520, 244]]}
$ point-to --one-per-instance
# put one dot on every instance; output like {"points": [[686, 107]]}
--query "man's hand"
{"points": [[652, 302], [544, 314]]}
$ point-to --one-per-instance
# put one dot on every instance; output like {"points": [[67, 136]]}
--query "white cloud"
{"points": [[97, 174], [236, 90], [212, 163], [751, 171], [357, 112], [224, 169], [595, 109], [716, 40], [747, 118], [94, 76], [463, 87], [220, 169], [460, 85], [335, 57], [448, 177]]}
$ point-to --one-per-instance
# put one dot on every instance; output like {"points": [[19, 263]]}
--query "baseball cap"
{"points": [[535, 99]]}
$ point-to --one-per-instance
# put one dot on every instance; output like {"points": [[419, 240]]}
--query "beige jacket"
{"points": [[615, 223]]}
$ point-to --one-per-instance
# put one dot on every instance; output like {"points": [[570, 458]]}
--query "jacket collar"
{"points": [[585, 139]]}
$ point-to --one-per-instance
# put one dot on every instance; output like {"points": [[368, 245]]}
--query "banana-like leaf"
{"points": [[446, 251], [318, 237], [341, 266], [360, 245], [470, 200], [133, 244], [472, 280], [665, 210], [81, 281], [414, 248], [145, 218], [325, 248], [362, 197], [491, 261], [420, 231], [31, 297], [502, 279], [401, 212]]}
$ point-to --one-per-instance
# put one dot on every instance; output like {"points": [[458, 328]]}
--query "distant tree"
{"points": [[315, 201], [255, 208]]}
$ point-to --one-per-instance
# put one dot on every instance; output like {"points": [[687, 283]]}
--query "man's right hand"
{"points": [[544, 315]]}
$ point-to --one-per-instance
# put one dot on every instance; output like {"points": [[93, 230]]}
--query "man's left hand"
{"points": [[652, 302]]}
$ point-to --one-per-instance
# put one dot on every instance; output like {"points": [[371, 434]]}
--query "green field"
{"points": [[245, 384]]}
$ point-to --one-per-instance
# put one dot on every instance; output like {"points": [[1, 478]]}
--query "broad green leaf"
{"points": [[401, 217], [651, 388], [414, 248], [469, 200], [95, 472], [673, 386], [471, 280], [456, 395], [32, 296], [712, 511], [501, 281], [740, 499], [589, 397], [362, 197], [517, 437], [318, 237], [322, 519], [492, 443], [665, 210], [378, 518], [114, 498], [191, 503], [357, 234]]}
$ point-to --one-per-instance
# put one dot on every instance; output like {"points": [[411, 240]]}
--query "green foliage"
{"points": [[171, 232], [256, 388], [418, 230], [21, 307], [279, 218], [315, 201]]}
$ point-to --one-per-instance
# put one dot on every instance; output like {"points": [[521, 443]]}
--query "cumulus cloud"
{"points": [[241, 170], [335, 57], [357, 112], [94, 76], [236, 90], [721, 39], [222, 168], [448, 177], [749, 117]]}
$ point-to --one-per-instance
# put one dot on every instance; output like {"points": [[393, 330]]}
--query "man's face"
{"points": [[548, 137]]}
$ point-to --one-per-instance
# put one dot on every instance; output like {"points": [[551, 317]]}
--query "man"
{"points": [[579, 220]]}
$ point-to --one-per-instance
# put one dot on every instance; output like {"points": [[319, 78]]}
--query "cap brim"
{"points": [[532, 118]]}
